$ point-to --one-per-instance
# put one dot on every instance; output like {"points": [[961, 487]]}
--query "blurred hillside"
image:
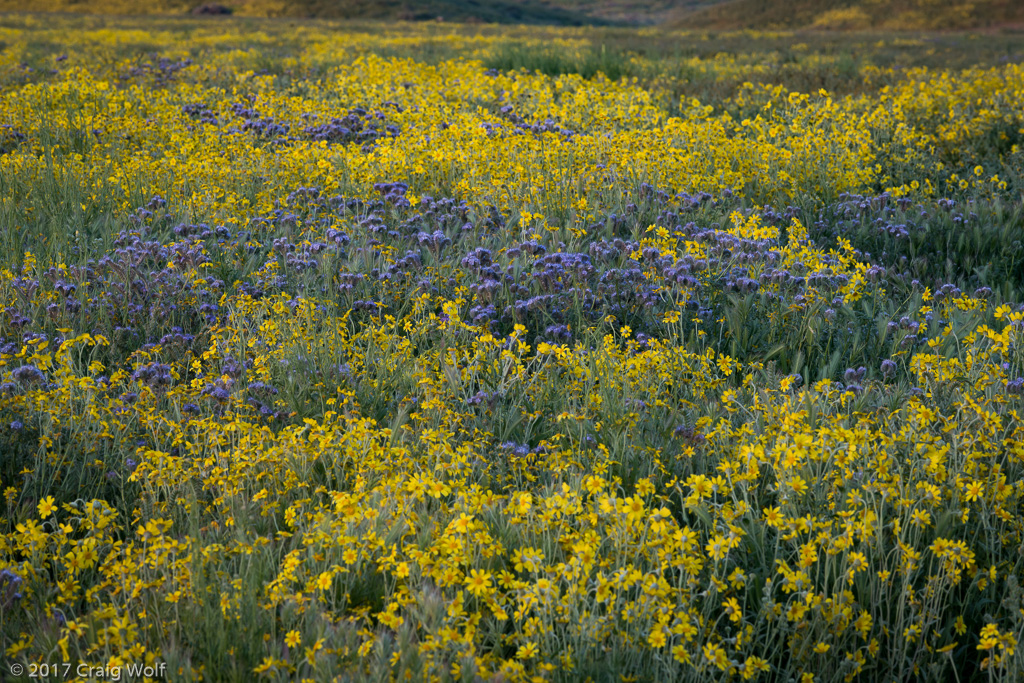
{"points": [[556, 12], [855, 14], [699, 14]]}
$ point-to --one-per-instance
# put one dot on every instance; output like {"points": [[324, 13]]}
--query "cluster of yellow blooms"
{"points": [[344, 363]]}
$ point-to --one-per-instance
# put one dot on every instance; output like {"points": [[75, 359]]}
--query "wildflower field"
{"points": [[398, 352]]}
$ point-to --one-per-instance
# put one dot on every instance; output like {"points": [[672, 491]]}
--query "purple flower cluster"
{"points": [[28, 375], [200, 113], [358, 125], [161, 70], [156, 376], [393, 194], [520, 125], [10, 589], [10, 138]]}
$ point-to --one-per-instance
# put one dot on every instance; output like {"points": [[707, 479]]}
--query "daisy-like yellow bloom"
{"points": [[527, 651], [657, 638], [973, 490], [718, 548], [47, 506], [732, 608], [478, 582]]}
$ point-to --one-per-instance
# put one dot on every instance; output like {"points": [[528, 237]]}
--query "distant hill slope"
{"points": [[634, 11], [490, 11], [558, 12], [497, 11], [698, 14], [854, 14]]}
